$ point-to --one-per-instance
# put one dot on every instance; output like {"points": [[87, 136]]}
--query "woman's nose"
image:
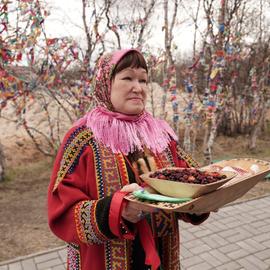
{"points": [[137, 87]]}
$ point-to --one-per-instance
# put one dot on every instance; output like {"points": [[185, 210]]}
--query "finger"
{"points": [[143, 165], [152, 163], [130, 188]]}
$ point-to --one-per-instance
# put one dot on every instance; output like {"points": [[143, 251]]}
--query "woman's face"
{"points": [[129, 90]]}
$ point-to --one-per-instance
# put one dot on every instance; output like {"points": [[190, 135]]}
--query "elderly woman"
{"points": [[99, 161]]}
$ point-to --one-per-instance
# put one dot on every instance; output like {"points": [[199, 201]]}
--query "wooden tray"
{"points": [[184, 190], [230, 191]]}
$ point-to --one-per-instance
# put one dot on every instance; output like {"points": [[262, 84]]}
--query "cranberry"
{"points": [[188, 175]]}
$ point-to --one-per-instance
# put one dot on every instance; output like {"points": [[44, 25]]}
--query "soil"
{"points": [[23, 222]]}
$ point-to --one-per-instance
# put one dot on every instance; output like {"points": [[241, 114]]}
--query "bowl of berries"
{"points": [[186, 182]]}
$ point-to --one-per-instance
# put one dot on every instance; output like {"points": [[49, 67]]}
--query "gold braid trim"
{"points": [[70, 154], [187, 158]]}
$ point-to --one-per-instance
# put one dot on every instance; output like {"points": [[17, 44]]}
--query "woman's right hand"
{"points": [[133, 212]]}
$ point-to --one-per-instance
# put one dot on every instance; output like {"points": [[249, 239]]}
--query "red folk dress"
{"points": [[85, 177]]}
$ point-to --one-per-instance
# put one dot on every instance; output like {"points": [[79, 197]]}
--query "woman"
{"points": [[99, 162]]}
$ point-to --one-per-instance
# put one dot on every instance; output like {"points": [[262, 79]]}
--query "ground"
{"points": [[23, 223]]}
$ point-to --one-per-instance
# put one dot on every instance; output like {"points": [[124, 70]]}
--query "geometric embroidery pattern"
{"points": [[122, 169], [73, 257], [110, 177], [118, 254], [86, 224], [164, 159], [170, 252], [107, 173], [163, 223], [72, 152], [186, 157]]}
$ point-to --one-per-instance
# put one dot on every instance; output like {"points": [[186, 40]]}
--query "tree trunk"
{"points": [[2, 163]]}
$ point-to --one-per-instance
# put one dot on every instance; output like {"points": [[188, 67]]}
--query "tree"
{"points": [[2, 163]]}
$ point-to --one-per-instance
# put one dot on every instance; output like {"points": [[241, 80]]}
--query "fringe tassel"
{"points": [[125, 134]]}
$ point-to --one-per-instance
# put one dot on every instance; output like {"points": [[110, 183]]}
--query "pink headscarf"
{"points": [[122, 133]]}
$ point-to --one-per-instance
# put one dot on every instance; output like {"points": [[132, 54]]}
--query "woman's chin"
{"points": [[133, 110]]}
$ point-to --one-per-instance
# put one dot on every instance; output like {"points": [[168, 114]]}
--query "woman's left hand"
{"points": [[131, 212]]}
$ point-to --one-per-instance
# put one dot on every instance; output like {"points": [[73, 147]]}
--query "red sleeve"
{"points": [[74, 212]]}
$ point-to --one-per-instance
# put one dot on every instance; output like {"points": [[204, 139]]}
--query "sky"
{"points": [[66, 19]]}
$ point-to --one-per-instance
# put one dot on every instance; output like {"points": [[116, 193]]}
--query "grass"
{"points": [[34, 169]]}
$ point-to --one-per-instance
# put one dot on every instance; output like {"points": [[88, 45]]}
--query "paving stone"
{"points": [[241, 235], [237, 254], [183, 225], [226, 233], [264, 229], [263, 255], [251, 229], [229, 266], [264, 216], [191, 261], [259, 263], [247, 265], [210, 259], [199, 249], [204, 266], [247, 218], [59, 267], [63, 255], [235, 238], [261, 237], [15, 266], [215, 241], [185, 253], [46, 257], [267, 262], [255, 244], [258, 224], [49, 264], [193, 243], [192, 229], [226, 221], [202, 233], [266, 244], [220, 256], [29, 264], [218, 226], [246, 246], [186, 236]]}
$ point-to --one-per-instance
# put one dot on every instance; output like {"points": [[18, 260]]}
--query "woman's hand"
{"points": [[133, 212]]}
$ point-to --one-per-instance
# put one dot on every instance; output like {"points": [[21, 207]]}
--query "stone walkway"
{"points": [[237, 237]]}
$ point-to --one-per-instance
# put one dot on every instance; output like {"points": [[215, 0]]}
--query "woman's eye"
{"points": [[143, 81], [127, 78]]}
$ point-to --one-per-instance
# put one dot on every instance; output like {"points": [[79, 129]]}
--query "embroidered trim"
{"points": [[72, 152], [163, 223], [73, 257], [164, 159], [186, 157], [170, 252], [86, 224], [107, 173], [122, 169], [118, 254], [98, 167], [111, 174]]}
